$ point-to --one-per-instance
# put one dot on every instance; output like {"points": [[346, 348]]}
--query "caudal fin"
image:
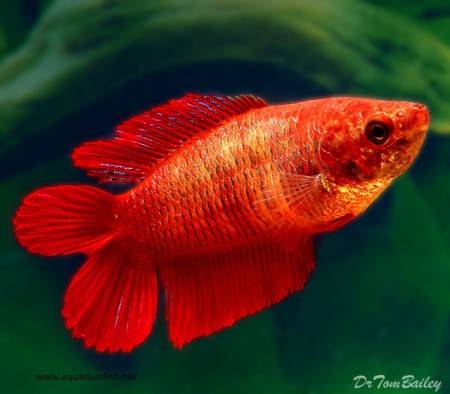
{"points": [[111, 301], [65, 219]]}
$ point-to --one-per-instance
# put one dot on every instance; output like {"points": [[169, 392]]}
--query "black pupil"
{"points": [[378, 132]]}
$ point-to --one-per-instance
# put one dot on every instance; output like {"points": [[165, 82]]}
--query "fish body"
{"points": [[230, 193]]}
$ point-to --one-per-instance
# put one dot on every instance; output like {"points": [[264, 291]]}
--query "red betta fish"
{"points": [[229, 193]]}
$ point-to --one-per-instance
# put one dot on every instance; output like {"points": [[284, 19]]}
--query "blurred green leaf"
{"points": [[16, 19], [433, 15], [13, 25], [418, 240], [377, 302]]}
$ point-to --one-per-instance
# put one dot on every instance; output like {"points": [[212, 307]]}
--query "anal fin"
{"points": [[207, 292]]}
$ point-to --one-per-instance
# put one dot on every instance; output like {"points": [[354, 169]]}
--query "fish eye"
{"points": [[377, 132]]}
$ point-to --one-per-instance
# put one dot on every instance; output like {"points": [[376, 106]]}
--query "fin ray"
{"points": [[144, 139], [111, 301], [64, 219], [206, 293]]}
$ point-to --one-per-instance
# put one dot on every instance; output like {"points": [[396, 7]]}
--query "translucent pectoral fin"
{"points": [[290, 189]]}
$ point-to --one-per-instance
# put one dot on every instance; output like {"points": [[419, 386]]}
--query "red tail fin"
{"points": [[64, 220]]}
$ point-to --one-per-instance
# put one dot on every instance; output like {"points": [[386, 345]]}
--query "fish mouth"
{"points": [[420, 120]]}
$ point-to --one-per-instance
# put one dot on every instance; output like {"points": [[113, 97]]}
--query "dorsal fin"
{"points": [[144, 139]]}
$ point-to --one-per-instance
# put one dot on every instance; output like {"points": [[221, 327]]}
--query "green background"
{"points": [[378, 301]]}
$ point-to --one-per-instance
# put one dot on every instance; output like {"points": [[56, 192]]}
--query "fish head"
{"points": [[365, 140]]}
